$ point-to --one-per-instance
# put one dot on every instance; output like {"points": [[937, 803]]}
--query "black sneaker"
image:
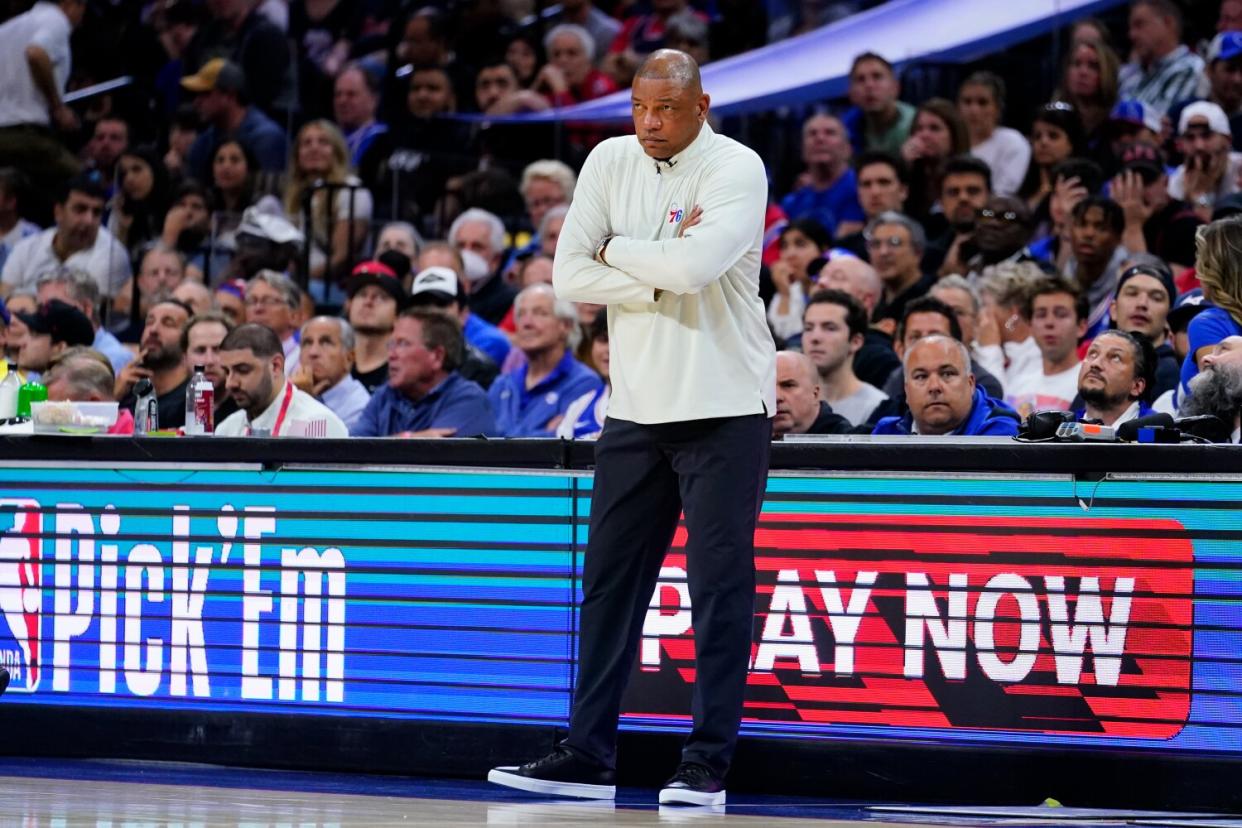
{"points": [[560, 773], [693, 784], [4, 679]]}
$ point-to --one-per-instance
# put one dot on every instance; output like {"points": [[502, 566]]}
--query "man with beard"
{"points": [[1217, 390], [966, 189], [271, 406], [77, 240], [1211, 171], [1116, 376], [161, 360], [200, 340]]}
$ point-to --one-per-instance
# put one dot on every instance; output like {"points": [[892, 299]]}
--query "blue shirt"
{"points": [[111, 347], [829, 207], [360, 140], [523, 413], [1207, 328], [487, 338], [257, 131], [454, 403], [988, 418]]}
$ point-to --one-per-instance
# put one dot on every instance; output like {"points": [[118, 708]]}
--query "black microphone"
{"points": [[1206, 427], [4, 680], [1128, 431]]}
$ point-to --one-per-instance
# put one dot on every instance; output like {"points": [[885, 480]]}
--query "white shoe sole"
{"points": [[577, 790], [685, 796]]}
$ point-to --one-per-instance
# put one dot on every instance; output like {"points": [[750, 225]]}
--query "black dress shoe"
{"points": [[693, 784], [560, 773], [4, 679]]}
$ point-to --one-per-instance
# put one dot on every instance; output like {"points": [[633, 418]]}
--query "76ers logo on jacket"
{"points": [[21, 592], [675, 214]]}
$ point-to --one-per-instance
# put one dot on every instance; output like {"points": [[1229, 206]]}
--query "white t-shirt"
{"points": [[44, 26], [305, 416], [702, 349], [859, 405], [789, 323], [1036, 391], [107, 260], [363, 206], [1008, 153]]}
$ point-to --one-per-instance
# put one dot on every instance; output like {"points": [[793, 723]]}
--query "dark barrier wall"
{"points": [[966, 607]]}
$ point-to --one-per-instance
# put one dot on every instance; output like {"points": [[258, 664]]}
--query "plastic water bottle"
{"points": [[200, 400], [8, 394], [146, 408]]}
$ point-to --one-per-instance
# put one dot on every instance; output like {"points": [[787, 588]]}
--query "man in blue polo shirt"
{"points": [[531, 401], [425, 395]]}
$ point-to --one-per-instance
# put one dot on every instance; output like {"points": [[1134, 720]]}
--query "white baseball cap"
{"points": [[438, 278], [1217, 120]]}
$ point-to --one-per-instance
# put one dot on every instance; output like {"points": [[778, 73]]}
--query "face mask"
{"points": [[476, 267], [398, 261]]}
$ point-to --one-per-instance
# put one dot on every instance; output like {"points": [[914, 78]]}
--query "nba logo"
{"points": [[21, 592]]}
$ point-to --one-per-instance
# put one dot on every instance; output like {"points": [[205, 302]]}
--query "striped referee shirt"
{"points": [[1177, 76]]}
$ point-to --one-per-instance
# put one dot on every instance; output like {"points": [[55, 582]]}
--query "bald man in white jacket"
{"points": [[666, 229]]}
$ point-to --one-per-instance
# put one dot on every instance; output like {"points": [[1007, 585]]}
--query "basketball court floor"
{"points": [[112, 794]]}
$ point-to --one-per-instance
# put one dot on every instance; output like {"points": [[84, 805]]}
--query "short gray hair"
{"points": [[934, 338], [407, 228], [957, 282], [496, 227], [346, 329], [918, 238], [83, 373], [549, 169], [280, 282], [82, 285], [584, 37], [559, 211], [563, 309]]}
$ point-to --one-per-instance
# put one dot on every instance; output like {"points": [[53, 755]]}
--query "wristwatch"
{"points": [[600, 248]]}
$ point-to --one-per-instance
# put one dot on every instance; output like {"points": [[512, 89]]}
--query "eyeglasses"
{"points": [[988, 214], [895, 242]]}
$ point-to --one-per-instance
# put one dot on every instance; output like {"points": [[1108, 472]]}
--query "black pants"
{"points": [[645, 475]]}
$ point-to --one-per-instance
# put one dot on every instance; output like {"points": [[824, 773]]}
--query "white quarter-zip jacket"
{"points": [[703, 349]]}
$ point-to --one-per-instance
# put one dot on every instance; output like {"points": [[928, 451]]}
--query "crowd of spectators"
{"points": [[290, 197]]}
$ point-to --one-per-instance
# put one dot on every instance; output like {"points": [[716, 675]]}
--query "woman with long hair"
{"points": [[937, 134], [981, 100], [802, 241], [141, 199], [329, 204], [1089, 82], [1056, 134], [1218, 264]]}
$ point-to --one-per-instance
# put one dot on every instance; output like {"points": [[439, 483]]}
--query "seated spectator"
{"points": [[602, 26], [549, 229], [827, 191], [981, 100], [1187, 306], [275, 302], [51, 329], [964, 191], [77, 240], [1141, 305], [162, 361], [1003, 337], [640, 35], [440, 286], [876, 359], [1056, 135], [270, 405], [965, 301], [532, 401], [329, 203], [234, 189], [879, 120], [16, 332], [137, 210], [524, 52], [1217, 391], [78, 288], [1115, 378], [570, 77], [109, 138], [160, 271], [196, 295], [230, 300], [83, 375], [923, 317], [13, 227], [799, 409], [355, 100], [938, 134], [1155, 222], [220, 100], [397, 246], [896, 243], [200, 342], [1057, 313], [425, 396], [375, 299], [1089, 84], [1163, 70], [584, 419], [1224, 75], [1211, 169], [802, 241], [546, 184], [1220, 273], [1097, 256], [834, 329], [942, 397], [324, 372], [188, 229], [480, 237], [882, 187]]}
